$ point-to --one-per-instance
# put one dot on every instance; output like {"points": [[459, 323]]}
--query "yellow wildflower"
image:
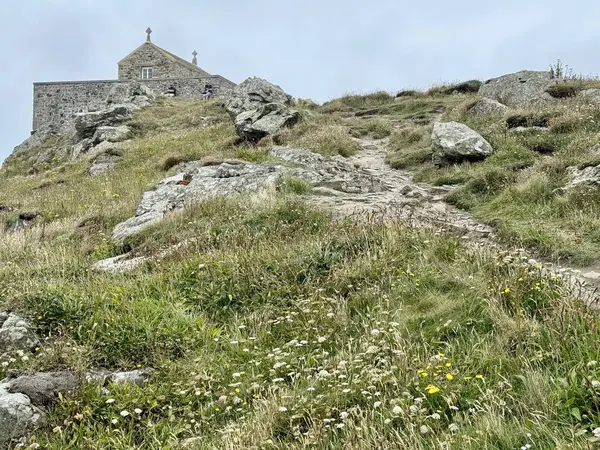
{"points": [[431, 389], [449, 376]]}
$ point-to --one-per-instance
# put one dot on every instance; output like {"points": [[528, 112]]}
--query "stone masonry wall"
{"points": [[149, 55], [55, 104]]}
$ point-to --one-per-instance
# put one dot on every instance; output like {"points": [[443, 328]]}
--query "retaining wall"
{"points": [[55, 104]]}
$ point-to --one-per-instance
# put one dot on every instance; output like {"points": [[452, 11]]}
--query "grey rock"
{"points": [[521, 130], [87, 123], [454, 142], [111, 134], [526, 86], [138, 377], [268, 119], [103, 163], [585, 177], [43, 388], [36, 139], [260, 108], [591, 95], [487, 106], [17, 334], [81, 148], [229, 179], [17, 416], [119, 263], [24, 221], [133, 92], [253, 93]]}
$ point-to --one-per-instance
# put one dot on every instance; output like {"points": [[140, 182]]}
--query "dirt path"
{"points": [[415, 203], [423, 205]]}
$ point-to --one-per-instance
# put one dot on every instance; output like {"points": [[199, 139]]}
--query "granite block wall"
{"points": [[56, 104]]}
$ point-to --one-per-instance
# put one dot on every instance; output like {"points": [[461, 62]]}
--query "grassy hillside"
{"points": [[276, 327]]}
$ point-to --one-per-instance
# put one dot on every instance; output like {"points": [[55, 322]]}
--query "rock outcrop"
{"points": [[582, 177], [454, 142], [17, 415], [517, 88], [104, 162], [266, 120], [225, 179], [486, 107], [259, 108], [96, 130], [16, 334], [25, 400], [43, 388], [591, 95]]}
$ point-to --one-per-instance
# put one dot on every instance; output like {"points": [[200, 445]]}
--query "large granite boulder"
{"points": [[487, 107], [253, 93], [514, 89], [196, 183], [43, 388], [87, 123], [104, 162], [111, 134], [134, 92], [16, 334], [591, 95], [267, 119], [24, 400], [17, 415], [582, 177], [454, 142], [259, 109]]}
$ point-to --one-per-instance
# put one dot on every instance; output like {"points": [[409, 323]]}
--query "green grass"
{"points": [[274, 326], [270, 352]]}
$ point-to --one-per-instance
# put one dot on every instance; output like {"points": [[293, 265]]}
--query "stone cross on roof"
{"points": [[148, 32], [195, 59]]}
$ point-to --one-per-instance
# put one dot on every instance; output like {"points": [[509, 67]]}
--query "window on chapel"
{"points": [[146, 73]]}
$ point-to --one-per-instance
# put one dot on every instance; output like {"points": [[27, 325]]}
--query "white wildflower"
{"points": [[375, 332], [396, 410], [435, 416], [137, 411], [114, 421], [321, 339], [343, 415], [377, 404], [283, 409], [110, 400], [596, 432], [453, 427], [424, 429], [124, 413]]}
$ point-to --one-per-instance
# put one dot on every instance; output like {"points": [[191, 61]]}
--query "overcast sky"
{"points": [[315, 49]]}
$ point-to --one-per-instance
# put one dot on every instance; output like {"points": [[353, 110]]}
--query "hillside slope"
{"points": [[274, 323]]}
